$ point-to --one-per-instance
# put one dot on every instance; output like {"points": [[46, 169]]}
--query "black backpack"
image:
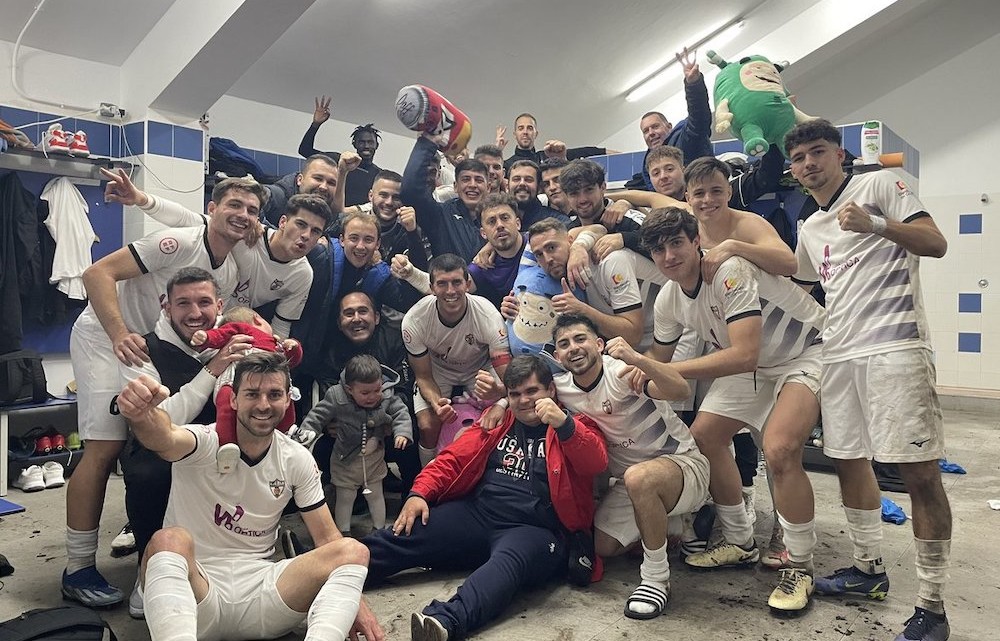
{"points": [[22, 378], [65, 623]]}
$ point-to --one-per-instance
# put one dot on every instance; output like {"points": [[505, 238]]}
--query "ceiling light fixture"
{"points": [[668, 72]]}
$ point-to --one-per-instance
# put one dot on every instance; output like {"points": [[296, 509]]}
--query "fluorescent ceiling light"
{"points": [[672, 70]]}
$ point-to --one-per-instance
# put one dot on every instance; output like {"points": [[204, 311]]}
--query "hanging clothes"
{"points": [[70, 227], [20, 258]]}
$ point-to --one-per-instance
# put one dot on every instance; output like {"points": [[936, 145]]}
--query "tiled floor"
{"points": [[720, 605]]}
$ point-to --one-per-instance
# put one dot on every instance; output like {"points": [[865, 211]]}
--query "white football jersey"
{"points": [[872, 285], [235, 515], [624, 281]]}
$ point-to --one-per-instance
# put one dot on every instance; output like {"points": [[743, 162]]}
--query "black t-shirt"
{"points": [[515, 486]]}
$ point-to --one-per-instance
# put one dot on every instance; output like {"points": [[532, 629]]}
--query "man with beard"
{"points": [[193, 303], [125, 289], [523, 179], [525, 133], [319, 176], [364, 138], [452, 226], [398, 231], [501, 227], [207, 574], [621, 287]]}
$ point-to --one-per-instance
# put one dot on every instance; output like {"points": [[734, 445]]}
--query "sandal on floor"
{"points": [[649, 595]]}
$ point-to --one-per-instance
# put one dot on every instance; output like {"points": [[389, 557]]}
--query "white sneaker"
{"points": [[227, 457], [124, 543], [52, 475], [30, 479], [136, 606]]}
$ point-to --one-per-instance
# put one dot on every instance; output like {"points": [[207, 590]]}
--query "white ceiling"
{"points": [[569, 62], [98, 30]]}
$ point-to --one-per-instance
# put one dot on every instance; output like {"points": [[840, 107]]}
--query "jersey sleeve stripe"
{"points": [[135, 255], [628, 308], [310, 508], [919, 214], [741, 315]]}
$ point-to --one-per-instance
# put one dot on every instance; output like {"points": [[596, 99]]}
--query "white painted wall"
{"points": [[57, 78]]}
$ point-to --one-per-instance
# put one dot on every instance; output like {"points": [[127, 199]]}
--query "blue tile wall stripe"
{"points": [[188, 143], [159, 138]]}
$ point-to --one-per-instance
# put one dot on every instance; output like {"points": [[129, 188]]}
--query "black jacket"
{"points": [[359, 181], [20, 258], [538, 156]]}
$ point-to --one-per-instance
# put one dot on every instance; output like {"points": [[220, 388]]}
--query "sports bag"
{"points": [[22, 378], [65, 623]]}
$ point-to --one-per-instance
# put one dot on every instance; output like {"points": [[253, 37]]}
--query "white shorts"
{"points": [[616, 518], [243, 601], [98, 381], [749, 397], [883, 406], [447, 391]]}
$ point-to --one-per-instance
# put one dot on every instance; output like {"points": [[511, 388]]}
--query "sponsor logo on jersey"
{"points": [[730, 283], [169, 245], [242, 292], [226, 518], [470, 339], [230, 521], [715, 311], [901, 189], [277, 487], [828, 270]]}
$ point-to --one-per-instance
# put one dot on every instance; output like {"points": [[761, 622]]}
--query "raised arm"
{"points": [[665, 383], [139, 403]]}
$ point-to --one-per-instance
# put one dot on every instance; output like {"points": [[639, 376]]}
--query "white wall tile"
{"points": [[947, 377], [970, 322], [969, 362], [972, 380]]}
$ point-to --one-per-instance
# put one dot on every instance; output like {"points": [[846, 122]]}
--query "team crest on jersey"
{"points": [[407, 336], [277, 284], [169, 245], [618, 282], [606, 406], [470, 339], [716, 312], [277, 487]]}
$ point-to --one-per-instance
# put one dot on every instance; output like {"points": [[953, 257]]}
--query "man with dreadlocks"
{"points": [[365, 139]]}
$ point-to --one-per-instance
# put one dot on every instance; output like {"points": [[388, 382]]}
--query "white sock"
{"points": [[735, 523], [168, 599], [343, 508], [376, 505], [932, 573], [655, 566], [81, 549], [865, 530], [800, 541], [426, 454], [334, 609]]}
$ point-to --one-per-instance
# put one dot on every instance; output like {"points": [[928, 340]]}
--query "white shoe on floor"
{"points": [[52, 475], [31, 479], [136, 606]]}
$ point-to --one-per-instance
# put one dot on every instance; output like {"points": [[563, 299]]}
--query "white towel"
{"points": [[70, 227]]}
